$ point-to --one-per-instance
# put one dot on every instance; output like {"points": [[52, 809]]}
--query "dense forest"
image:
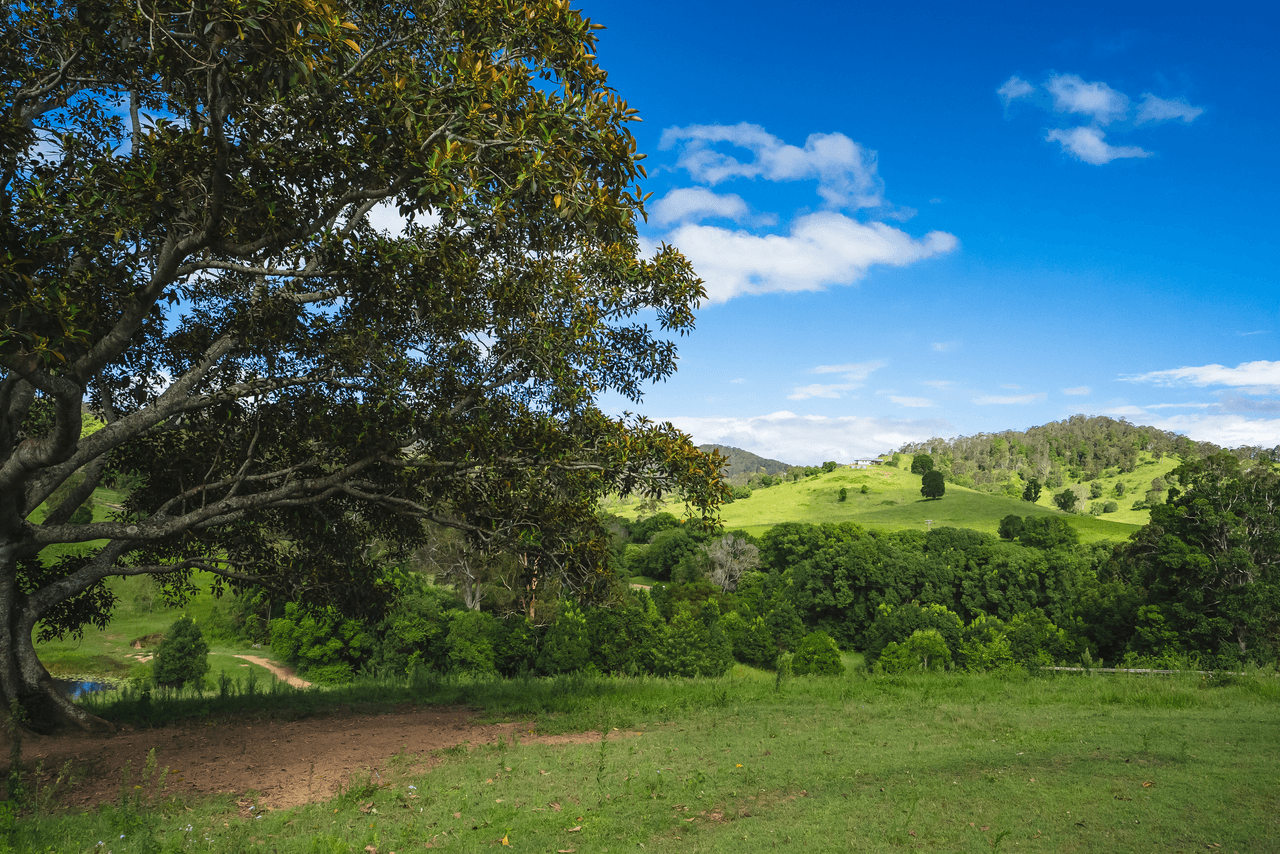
{"points": [[1079, 448]]}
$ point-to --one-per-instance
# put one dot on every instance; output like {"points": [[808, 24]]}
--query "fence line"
{"points": [[1149, 672]]}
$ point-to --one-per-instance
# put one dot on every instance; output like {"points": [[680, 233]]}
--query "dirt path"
{"points": [[283, 763], [284, 674]]}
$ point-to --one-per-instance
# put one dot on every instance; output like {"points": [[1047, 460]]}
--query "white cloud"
{"points": [[821, 249], [855, 376], [845, 171], [1071, 94], [690, 204], [1153, 109], [854, 371], [1262, 375], [938, 384], [1078, 391], [1087, 144], [808, 440], [944, 346], [912, 402], [1015, 87], [738, 380], [832, 390], [1008, 398]]}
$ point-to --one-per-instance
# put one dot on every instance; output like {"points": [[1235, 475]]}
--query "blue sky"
{"points": [[944, 219]]}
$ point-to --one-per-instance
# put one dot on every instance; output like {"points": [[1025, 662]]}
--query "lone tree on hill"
{"points": [[921, 463], [1066, 500], [933, 484], [1032, 491], [190, 246]]}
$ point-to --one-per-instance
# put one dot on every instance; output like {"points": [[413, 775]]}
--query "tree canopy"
{"points": [[933, 484], [189, 247], [1210, 556]]}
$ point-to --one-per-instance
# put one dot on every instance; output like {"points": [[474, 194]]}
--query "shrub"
{"points": [[921, 463], [817, 654], [470, 642], [567, 646], [686, 649], [896, 625], [321, 637], [924, 650], [1110, 507], [183, 655], [985, 645], [844, 493]]}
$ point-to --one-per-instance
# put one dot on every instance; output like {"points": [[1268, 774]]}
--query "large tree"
{"points": [[188, 247], [1209, 558]]}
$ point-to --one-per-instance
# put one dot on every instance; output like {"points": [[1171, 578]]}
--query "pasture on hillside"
{"points": [[893, 502]]}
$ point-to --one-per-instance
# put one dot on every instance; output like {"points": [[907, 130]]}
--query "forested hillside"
{"points": [[743, 464], [1078, 449]]}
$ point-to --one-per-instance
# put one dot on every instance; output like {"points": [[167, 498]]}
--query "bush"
{"points": [[470, 642], [924, 650], [985, 646], [921, 463], [1110, 507], [817, 654], [844, 493], [567, 647], [687, 649], [183, 656]]}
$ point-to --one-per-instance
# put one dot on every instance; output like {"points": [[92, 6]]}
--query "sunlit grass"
{"points": [[946, 762]]}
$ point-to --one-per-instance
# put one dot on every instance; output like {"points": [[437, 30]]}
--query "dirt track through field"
{"points": [[284, 674], [286, 763]]}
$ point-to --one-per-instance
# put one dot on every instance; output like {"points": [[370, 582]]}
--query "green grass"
{"points": [[947, 762], [109, 653], [893, 502]]}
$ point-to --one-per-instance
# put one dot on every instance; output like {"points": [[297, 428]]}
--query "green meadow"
{"points": [[936, 762], [893, 502]]}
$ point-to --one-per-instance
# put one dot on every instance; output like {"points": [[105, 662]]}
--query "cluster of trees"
{"points": [[1078, 448], [1201, 579]]}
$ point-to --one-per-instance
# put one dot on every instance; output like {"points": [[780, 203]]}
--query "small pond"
{"points": [[77, 688]]}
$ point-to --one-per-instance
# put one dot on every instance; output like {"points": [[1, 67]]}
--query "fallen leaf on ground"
{"points": [[575, 829]]}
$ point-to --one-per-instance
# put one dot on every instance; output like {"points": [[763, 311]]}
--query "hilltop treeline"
{"points": [[742, 465], [1078, 449]]}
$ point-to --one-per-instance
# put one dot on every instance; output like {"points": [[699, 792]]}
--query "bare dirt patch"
{"points": [[283, 673], [283, 763]]}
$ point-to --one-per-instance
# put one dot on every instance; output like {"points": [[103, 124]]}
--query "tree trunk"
{"points": [[24, 681]]}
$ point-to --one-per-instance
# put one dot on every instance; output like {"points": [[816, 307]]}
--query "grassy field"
{"points": [[141, 616], [950, 762], [893, 502]]}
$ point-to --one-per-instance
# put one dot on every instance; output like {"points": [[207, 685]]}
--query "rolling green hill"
{"points": [[893, 502]]}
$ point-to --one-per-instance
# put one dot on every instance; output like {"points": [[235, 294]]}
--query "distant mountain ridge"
{"points": [[743, 464]]}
